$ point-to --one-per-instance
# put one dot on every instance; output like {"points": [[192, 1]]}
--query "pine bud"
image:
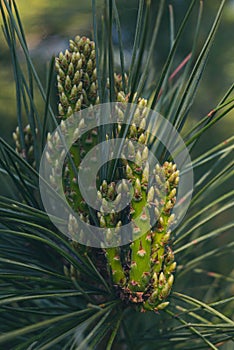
{"points": [[162, 305], [150, 195]]}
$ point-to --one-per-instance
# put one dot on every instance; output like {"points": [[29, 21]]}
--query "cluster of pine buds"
{"points": [[141, 272], [25, 147]]}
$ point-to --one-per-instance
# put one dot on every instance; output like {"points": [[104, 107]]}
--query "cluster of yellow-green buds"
{"points": [[77, 87], [77, 77], [26, 151], [142, 271]]}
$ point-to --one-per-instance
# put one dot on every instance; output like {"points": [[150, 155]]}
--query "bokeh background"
{"points": [[50, 24]]}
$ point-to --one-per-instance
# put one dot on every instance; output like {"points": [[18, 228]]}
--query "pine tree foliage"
{"points": [[58, 294]]}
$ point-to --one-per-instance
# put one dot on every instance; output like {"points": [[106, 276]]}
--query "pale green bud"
{"points": [[142, 124], [150, 195], [142, 139], [138, 159], [68, 83], [71, 69], [162, 305], [161, 279], [170, 281]]}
